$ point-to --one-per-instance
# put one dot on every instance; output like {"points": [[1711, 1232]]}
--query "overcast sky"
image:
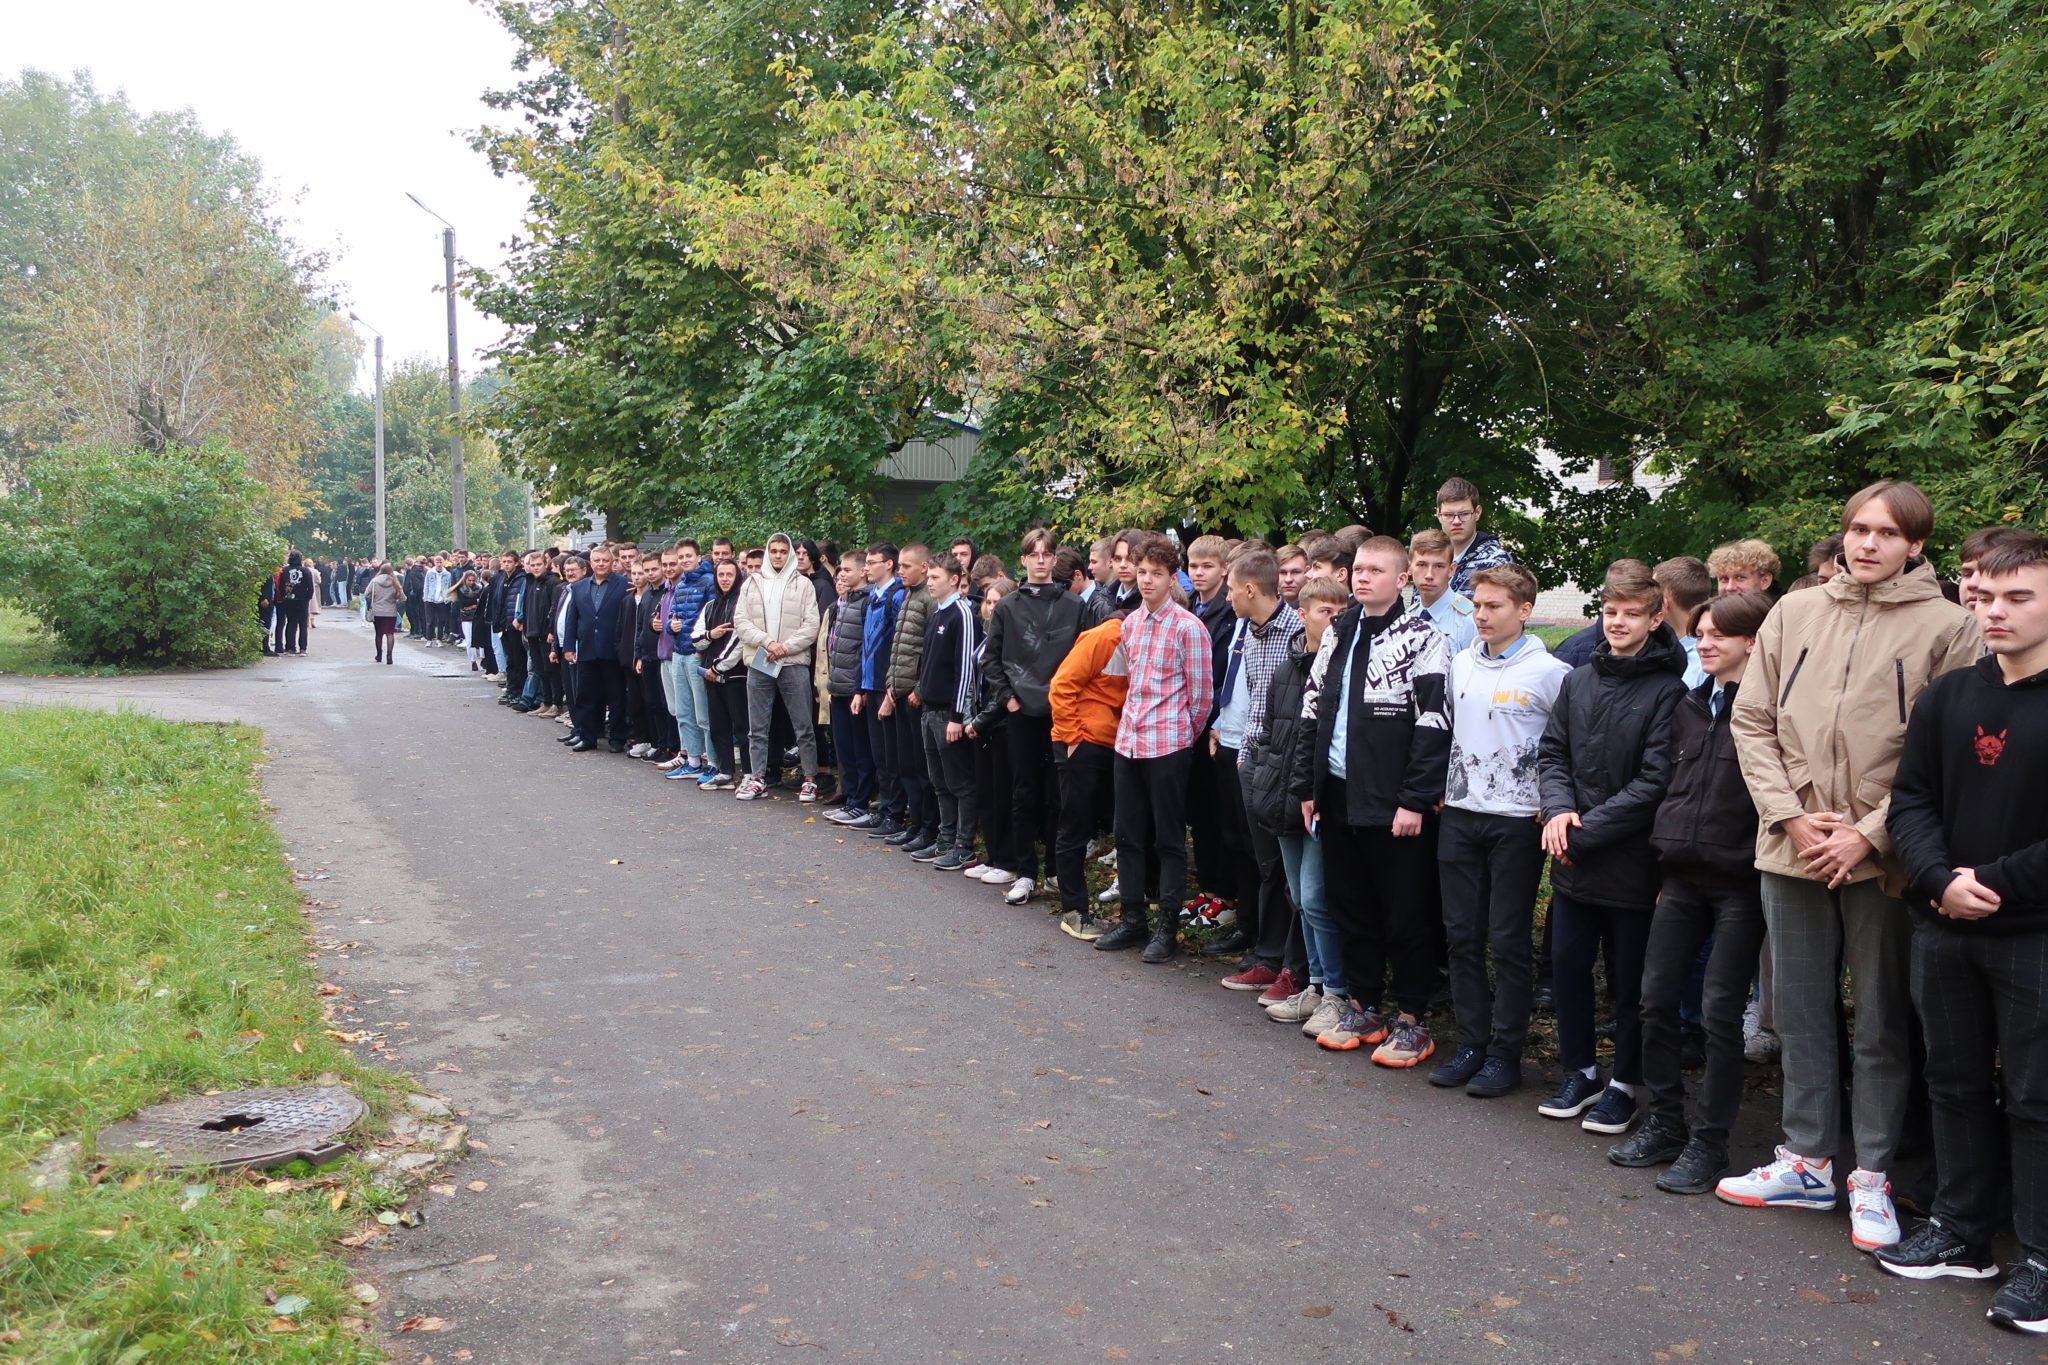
{"points": [[348, 108]]}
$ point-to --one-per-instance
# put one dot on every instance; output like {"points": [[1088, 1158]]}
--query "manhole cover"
{"points": [[239, 1128]]}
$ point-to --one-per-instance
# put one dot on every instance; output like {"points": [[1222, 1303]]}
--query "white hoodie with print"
{"points": [[1499, 707]]}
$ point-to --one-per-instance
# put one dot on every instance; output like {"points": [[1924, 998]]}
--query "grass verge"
{"points": [[152, 947], [27, 648]]}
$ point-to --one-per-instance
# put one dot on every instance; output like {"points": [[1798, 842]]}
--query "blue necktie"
{"points": [[1230, 673]]}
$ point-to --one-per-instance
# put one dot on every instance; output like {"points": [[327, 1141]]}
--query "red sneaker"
{"points": [[1284, 987], [1252, 978]]}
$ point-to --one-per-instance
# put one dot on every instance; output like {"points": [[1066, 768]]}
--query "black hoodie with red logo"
{"points": [[1969, 794]]}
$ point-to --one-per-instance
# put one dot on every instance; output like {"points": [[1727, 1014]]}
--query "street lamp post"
{"points": [[379, 372], [457, 503]]}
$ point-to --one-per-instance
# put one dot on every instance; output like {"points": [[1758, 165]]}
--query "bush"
{"points": [[138, 557]]}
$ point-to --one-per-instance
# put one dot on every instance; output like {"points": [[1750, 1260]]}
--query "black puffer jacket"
{"points": [[1266, 763], [842, 639], [1607, 755], [1707, 823], [1029, 635]]}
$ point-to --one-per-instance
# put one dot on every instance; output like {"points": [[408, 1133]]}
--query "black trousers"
{"points": [[884, 753], [661, 722], [512, 653], [600, 700], [291, 625], [1151, 817], [416, 616], [1233, 833], [1489, 867], [1691, 910], [920, 803], [1034, 796], [1215, 871], [1277, 927], [1086, 775], [549, 674], [1575, 941], [1377, 887], [727, 699], [992, 780], [1980, 997]]}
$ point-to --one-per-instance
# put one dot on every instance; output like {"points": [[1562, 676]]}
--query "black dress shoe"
{"points": [[1233, 944], [618, 746], [900, 838], [579, 745], [1163, 946]]}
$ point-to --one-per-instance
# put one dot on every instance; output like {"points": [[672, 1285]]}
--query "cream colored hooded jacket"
{"points": [[1821, 715]]}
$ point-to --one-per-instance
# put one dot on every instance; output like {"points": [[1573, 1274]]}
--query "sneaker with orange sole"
{"points": [[1357, 1027], [1408, 1044]]}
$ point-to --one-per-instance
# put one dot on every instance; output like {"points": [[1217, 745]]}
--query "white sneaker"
{"points": [[750, 789], [1789, 1182], [1021, 890], [1324, 1019], [1109, 895], [1301, 1005], [996, 876], [640, 751], [1873, 1222]]}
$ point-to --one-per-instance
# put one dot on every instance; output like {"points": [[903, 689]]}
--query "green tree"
{"points": [[151, 298], [140, 557]]}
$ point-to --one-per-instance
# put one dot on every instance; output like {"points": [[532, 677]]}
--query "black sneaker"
{"points": [[927, 854], [903, 838], [952, 860], [1658, 1141], [1579, 1093], [1614, 1113], [1462, 1067], [1698, 1169], [2022, 1302], [1497, 1076], [1164, 944], [1129, 933], [888, 829], [1931, 1251]]}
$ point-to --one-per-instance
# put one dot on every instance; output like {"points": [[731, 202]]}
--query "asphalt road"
{"points": [[747, 1089]]}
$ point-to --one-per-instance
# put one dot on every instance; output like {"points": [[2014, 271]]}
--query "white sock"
{"points": [[1591, 1073], [1624, 1088]]}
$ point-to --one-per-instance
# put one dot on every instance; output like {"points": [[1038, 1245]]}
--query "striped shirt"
{"points": [[1172, 686], [1263, 648]]}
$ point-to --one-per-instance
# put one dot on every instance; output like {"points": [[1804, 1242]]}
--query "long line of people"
{"points": [[1373, 760]]}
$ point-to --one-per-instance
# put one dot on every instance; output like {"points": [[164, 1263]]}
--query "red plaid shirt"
{"points": [[1173, 683]]}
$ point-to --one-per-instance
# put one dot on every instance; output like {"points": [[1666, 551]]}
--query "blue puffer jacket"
{"points": [[693, 590]]}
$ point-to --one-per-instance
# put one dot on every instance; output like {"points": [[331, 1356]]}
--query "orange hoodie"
{"points": [[1087, 691]]}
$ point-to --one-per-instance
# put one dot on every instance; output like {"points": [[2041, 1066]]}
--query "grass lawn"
{"points": [[25, 647], [152, 947]]}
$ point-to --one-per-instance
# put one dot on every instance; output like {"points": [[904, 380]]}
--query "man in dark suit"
{"points": [[591, 633]]}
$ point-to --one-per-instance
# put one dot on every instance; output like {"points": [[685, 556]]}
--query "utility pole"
{"points": [[379, 372], [457, 503]]}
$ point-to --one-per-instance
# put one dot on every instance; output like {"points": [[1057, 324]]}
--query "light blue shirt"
{"points": [[1510, 651], [1453, 616], [1230, 721], [1695, 674], [1340, 728]]}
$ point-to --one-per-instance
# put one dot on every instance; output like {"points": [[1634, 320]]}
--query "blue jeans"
{"points": [[1302, 856], [683, 683]]}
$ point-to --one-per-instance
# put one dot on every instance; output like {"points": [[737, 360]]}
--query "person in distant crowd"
{"points": [[1166, 707], [1489, 850], [717, 643], [534, 620], [1971, 832], [1429, 567], [1458, 510], [1705, 837], [591, 628], [901, 708], [470, 600], [1743, 566], [1293, 562], [949, 685], [1819, 729], [1687, 585], [777, 623], [886, 595], [839, 646], [383, 598], [294, 603]]}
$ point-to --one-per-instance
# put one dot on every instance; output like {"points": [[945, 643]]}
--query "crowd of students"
{"points": [[1739, 798]]}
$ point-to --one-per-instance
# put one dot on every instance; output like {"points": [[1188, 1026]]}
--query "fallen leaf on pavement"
{"points": [[423, 1324], [1317, 1310]]}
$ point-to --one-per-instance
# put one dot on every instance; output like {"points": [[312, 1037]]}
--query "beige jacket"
{"points": [[1821, 714], [799, 627]]}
